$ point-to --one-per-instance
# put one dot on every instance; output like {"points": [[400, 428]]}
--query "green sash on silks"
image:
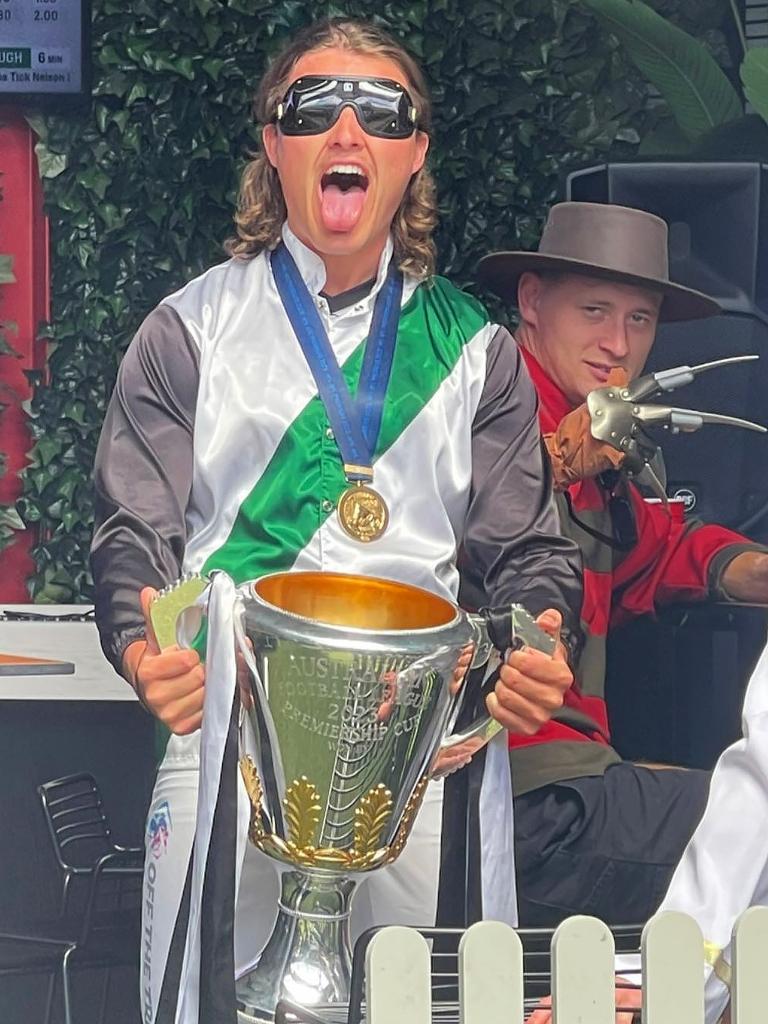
{"points": [[276, 521]]}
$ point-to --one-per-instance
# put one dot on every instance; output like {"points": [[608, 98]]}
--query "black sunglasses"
{"points": [[313, 104]]}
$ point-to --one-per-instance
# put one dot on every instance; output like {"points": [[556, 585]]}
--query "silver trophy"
{"points": [[353, 689]]}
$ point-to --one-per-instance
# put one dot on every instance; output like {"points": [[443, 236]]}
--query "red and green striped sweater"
{"points": [[671, 561]]}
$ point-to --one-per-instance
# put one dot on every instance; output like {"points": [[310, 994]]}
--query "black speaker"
{"points": [[718, 243]]}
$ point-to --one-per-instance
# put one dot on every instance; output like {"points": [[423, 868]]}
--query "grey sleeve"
{"points": [[512, 548], [142, 476]]}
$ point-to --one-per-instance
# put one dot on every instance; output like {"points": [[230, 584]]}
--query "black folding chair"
{"points": [[97, 923]]}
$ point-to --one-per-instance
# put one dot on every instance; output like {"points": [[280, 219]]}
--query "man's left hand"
{"points": [[746, 577], [531, 685]]}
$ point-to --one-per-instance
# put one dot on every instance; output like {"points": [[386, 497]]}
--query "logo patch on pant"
{"points": [[159, 829]]}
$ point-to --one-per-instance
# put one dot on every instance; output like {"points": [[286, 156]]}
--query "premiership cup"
{"points": [[354, 687]]}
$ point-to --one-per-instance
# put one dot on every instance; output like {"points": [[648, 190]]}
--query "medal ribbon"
{"points": [[355, 422]]}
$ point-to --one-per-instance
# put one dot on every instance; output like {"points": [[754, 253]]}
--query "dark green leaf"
{"points": [[754, 75], [696, 89], [6, 269]]}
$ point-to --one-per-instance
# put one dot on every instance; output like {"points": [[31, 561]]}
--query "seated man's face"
{"points": [[350, 221], [581, 328]]}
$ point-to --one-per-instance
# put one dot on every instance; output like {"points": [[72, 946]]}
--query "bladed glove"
{"points": [[574, 453]]}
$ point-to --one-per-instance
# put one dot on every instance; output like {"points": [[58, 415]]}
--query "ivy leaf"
{"points": [[213, 67], [49, 164], [75, 411], [6, 269], [46, 449], [10, 518], [94, 179], [8, 527], [6, 349]]}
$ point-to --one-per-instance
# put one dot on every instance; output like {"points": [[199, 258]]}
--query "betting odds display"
{"points": [[41, 47]]}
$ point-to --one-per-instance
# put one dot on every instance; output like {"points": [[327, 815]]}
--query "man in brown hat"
{"points": [[594, 834]]}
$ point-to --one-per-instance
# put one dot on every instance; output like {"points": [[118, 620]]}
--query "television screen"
{"points": [[43, 49]]}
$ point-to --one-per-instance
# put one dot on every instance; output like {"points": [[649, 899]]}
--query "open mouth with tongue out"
{"points": [[343, 188]]}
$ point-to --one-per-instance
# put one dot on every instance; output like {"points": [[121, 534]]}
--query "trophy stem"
{"points": [[308, 957]]}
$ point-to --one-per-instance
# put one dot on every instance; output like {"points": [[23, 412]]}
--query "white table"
{"points": [[78, 642]]}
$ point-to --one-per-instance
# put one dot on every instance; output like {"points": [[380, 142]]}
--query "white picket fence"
{"points": [[398, 989]]}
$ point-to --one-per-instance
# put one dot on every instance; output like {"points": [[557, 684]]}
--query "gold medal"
{"points": [[363, 513]]}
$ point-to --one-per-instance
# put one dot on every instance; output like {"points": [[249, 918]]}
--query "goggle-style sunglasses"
{"points": [[313, 104]]}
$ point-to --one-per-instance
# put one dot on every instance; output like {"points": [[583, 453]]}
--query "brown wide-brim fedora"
{"points": [[599, 240]]}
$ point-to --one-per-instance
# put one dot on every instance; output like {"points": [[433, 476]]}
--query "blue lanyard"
{"points": [[355, 422]]}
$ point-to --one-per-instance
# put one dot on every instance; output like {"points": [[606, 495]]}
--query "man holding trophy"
{"points": [[325, 418]]}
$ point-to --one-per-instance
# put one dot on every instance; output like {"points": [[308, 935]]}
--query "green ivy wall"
{"points": [[140, 188]]}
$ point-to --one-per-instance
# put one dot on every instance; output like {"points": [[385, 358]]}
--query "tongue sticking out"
{"points": [[341, 210]]}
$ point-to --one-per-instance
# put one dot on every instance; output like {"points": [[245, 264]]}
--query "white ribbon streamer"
{"points": [[220, 683]]}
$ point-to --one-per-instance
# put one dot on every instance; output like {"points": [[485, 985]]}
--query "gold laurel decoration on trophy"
{"points": [[302, 814], [252, 783], [371, 816], [409, 816], [258, 835], [331, 857], [278, 848]]}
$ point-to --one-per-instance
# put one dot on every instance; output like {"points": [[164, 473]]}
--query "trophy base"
{"points": [[307, 959], [248, 1018], [337, 1013]]}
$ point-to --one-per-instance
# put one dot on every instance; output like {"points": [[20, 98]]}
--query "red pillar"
{"points": [[24, 235]]}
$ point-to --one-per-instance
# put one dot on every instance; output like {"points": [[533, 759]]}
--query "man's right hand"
{"points": [[169, 683]]}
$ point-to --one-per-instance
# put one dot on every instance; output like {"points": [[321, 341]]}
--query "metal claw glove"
{"points": [[620, 418], [574, 452]]}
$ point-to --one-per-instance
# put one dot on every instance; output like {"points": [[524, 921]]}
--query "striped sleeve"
{"points": [[512, 548], [142, 477], [672, 561]]}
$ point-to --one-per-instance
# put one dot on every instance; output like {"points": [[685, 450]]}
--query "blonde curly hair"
{"points": [[261, 207]]}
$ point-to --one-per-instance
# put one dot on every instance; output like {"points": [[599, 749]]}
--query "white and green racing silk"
{"points": [[267, 472]]}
